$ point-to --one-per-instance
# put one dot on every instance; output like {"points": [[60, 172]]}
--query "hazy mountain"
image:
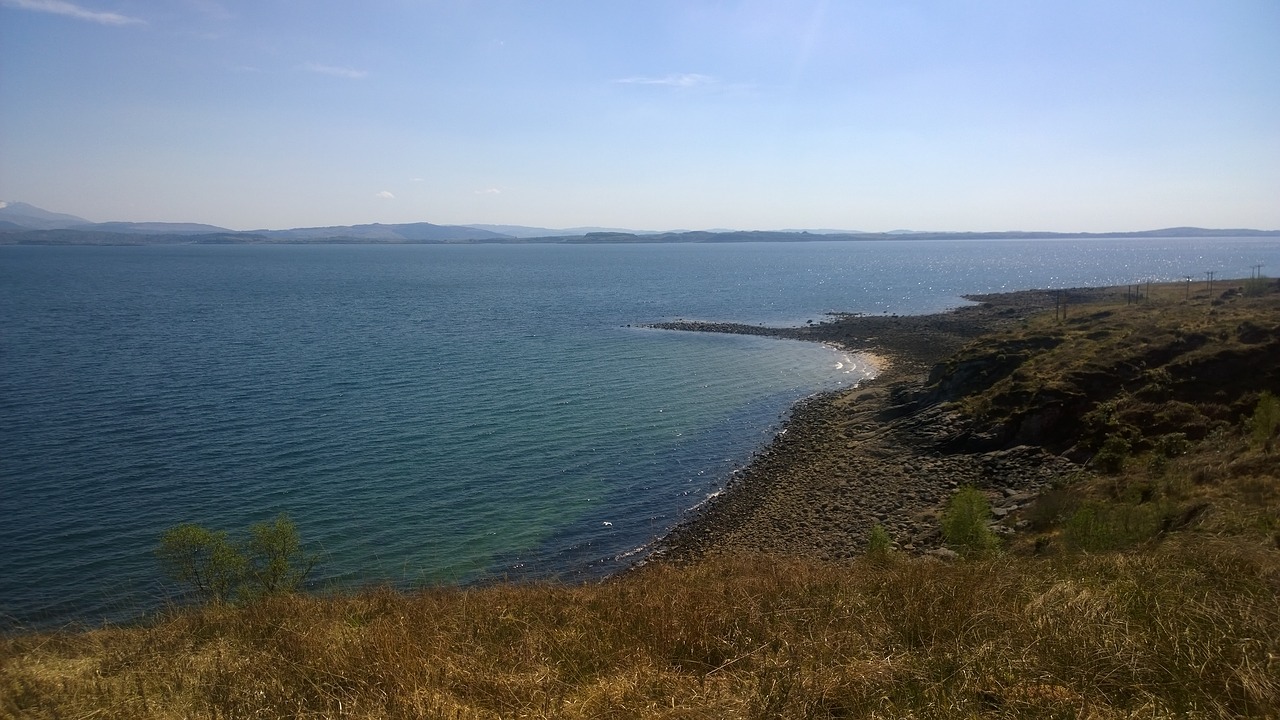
{"points": [[377, 232], [31, 217], [151, 228], [525, 231], [822, 231], [518, 231]]}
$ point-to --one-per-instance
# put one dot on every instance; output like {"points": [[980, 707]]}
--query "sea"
{"points": [[435, 414]]}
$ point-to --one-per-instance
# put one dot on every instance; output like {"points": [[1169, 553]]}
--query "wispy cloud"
{"points": [[335, 71], [71, 10], [680, 80], [489, 191], [386, 195]]}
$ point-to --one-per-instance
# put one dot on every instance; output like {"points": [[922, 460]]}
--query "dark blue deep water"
{"points": [[431, 413]]}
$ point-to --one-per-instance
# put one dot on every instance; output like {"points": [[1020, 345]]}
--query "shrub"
{"points": [[275, 560], [1254, 287], [203, 559], [1111, 456], [1172, 445], [964, 523], [879, 545], [1265, 420]]}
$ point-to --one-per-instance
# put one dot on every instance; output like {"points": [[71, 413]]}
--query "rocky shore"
{"points": [[881, 453]]}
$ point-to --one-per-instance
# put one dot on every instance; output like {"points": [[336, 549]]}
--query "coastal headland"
{"points": [[893, 450], [871, 455]]}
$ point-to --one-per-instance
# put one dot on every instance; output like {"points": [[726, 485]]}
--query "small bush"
{"points": [[1254, 287], [879, 545], [1111, 456], [1265, 420], [964, 523], [1172, 445]]}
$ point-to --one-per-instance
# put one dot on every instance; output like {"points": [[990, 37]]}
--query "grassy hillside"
{"points": [[1156, 394], [1145, 586]]}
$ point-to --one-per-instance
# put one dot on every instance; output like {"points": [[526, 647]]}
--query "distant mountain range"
{"points": [[24, 224]]}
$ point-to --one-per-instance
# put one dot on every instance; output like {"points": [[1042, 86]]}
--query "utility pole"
{"points": [[1188, 277], [1255, 271], [1210, 274]]}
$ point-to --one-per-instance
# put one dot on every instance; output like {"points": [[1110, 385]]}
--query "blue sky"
{"points": [[944, 115]]}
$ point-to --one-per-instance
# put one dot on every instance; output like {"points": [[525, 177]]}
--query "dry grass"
{"points": [[1190, 627]]}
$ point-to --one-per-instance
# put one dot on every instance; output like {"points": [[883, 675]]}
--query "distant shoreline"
{"points": [[427, 234]]}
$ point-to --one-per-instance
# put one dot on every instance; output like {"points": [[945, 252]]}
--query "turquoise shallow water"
{"points": [[430, 413]]}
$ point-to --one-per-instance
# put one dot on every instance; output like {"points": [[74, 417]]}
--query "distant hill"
{"points": [[525, 231], [151, 228], [822, 231], [29, 217], [520, 231], [377, 232]]}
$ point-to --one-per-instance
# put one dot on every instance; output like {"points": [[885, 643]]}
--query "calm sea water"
{"points": [[431, 413]]}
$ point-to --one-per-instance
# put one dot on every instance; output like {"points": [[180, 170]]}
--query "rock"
{"points": [[944, 554]]}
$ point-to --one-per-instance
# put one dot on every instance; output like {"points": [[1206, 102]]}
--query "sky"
{"points": [[982, 115]]}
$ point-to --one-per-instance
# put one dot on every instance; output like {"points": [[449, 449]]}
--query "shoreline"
{"points": [[878, 453]]}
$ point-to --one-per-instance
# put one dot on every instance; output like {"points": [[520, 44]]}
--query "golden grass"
{"points": [[1188, 627]]}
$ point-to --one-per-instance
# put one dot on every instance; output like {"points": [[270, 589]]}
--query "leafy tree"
{"points": [[203, 559], [276, 562], [270, 561]]}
